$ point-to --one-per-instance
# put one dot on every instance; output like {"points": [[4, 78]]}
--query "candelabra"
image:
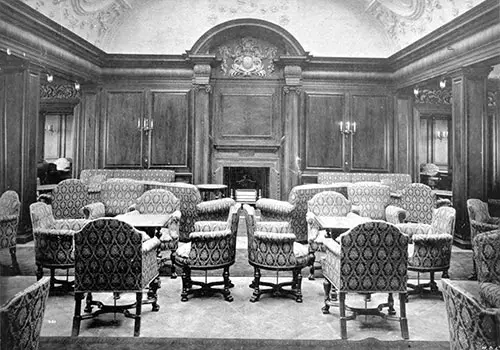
{"points": [[146, 125], [347, 128], [441, 135]]}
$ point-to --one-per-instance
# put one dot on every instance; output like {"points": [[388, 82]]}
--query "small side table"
{"points": [[207, 190]]}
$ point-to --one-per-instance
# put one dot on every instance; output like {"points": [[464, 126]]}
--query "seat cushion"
{"points": [[182, 253]]}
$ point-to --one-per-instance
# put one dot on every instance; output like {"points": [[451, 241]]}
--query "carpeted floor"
{"points": [[461, 264], [129, 343]]}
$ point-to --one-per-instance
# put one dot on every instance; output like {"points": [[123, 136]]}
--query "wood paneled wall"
{"points": [[19, 105]]}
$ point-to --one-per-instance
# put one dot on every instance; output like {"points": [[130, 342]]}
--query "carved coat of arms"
{"points": [[247, 59]]}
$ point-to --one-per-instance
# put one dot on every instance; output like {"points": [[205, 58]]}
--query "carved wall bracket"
{"points": [[203, 87], [292, 89]]}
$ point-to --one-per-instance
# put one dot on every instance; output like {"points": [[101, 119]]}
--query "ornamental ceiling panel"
{"points": [[334, 28]]}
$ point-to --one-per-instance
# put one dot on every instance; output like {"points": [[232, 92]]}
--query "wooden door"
{"points": [[324, 147], [370, 144], [169, 137], [123, 123]]}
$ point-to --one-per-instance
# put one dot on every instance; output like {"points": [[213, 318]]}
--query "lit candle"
{"points": [[353, 127], [348, 126], [152, 120], [341, 126]]}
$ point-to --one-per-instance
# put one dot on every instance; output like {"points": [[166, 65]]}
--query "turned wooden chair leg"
{"points": [[173, 273], [15, 265], [343, 321], [327, 287], [256, 291], [138, 308], [77, 318], [402, 316]]}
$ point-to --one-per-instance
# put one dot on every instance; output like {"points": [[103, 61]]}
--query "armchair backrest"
{"points": [[68, 198], [373, 258], [443, 220], [22, 317], [157, 201], [41, 216], [487, 256], [9, 203], [9, 218], [299, 196], [419, 201], [329, 203], [108, 257], [189, 196], [370, 198], [118, 195], [478, 210]]}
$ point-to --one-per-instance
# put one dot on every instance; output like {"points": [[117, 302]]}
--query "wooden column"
{"points": [[470, 151], [19, 122], [292, 164], [201, 114], [404, 150]]}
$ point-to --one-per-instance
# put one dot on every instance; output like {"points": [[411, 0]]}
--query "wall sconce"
{"points": [[8, 52], [50, 78], [416, 91], [77, 86], [50, 128], [147, 125], [442, 83], [347, 128], [441, 135]]}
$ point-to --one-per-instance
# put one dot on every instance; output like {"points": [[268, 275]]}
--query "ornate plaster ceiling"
{"points": [[337, 28]]}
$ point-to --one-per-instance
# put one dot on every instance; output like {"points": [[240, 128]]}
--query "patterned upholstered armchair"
{"points": [[211, 246], [117, 196], [372, 200], [419, 202], [473, 308], [326, 203], [480, 221], [294, 210], [68, 199], [9, 218], [22, 317], [53, 242], [271, 246], [160, 201], [352, 267], [431, 248], [112, 256], [193, 209]]}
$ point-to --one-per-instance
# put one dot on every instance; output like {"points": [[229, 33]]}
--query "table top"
{"points": [[144, 220], [207, 187], [46, 187], [443, 193], [339, 222]]}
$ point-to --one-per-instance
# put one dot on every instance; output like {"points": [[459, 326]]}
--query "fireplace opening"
{"points": [[247, 184]]}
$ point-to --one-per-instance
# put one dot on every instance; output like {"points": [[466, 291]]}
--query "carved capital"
{"points": [[492, 99], [473, 73], [296, 89], [203, 88], [293, 75], [201, 74]]}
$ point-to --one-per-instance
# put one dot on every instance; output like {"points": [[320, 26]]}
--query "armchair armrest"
{"points": [[433, 239], [483, 227], [274, 206], [395, 215], [209, 236], [332, 246], [490, 294], [7, 218], [410, 229], [275, 237], [210, 226], [94, 210], [150, 244], [494, 220], [70, 224], [54, 232]]}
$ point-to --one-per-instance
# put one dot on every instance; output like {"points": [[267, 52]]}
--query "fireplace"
{"points": [[247, 184]]}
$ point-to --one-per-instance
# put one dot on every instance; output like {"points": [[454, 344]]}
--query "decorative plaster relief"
{"points": [[58, 92], [90, 19], [247, 58], [407, 21], [278, 11], [434, 96]]}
